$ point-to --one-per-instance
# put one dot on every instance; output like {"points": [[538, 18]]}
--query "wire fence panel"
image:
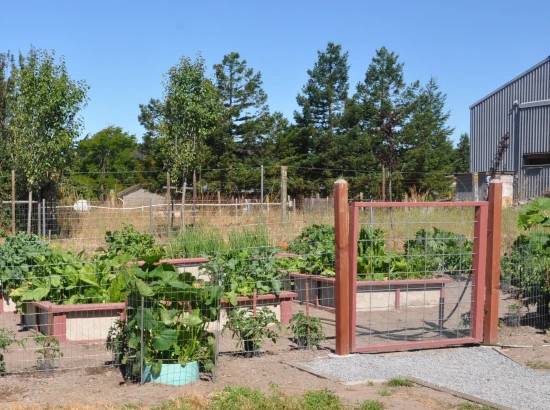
{"points": [[118, 286], [525, 277], [418, 275]]}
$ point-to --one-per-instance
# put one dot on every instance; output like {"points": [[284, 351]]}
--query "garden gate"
{"points": [[414, 275]]}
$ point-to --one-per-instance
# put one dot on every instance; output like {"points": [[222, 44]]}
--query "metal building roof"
{"points": [[511, 81]]}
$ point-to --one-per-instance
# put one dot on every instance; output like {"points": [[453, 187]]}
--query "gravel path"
{"points": [[478, 371]]}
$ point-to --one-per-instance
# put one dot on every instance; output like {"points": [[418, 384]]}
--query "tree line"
{"points": [[387, 136]]}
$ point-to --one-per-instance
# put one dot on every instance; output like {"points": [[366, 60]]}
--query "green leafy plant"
{"points": [[311, 237], [241, 272], [48, 351], [307, 332], [439, 251], [172, 320], [7, 338], [250, 330], [525, 265], [17, 257], [536, 213], [63, 278], [117, 341], [130, 242]]}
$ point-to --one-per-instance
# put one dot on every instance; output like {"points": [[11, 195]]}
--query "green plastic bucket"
{"points": [[173, 374]]}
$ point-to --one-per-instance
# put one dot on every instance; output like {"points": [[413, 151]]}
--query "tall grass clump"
{"points": [[196, 242]]}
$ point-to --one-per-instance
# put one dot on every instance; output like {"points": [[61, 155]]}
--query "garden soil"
{"points": [[102, 386]]}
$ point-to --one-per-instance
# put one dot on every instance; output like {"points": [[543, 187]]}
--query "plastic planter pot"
{"points": [[173, 374]]}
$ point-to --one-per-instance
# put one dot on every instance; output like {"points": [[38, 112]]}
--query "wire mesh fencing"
{"points": [[416, 281], [122, 294], [525, 274]]}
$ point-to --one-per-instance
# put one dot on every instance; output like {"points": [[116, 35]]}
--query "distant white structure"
{"points": [[81, 205], [137, 196]]}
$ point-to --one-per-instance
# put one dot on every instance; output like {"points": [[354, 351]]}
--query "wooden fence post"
{"points": [[341, 229], [284, 206], [492, 274]]}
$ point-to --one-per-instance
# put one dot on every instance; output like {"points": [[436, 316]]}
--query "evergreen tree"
{"points": [[322, 103], [387, 104], [244, 134], [245, 101], [152, 163], [323, 98], [429, 158], [462, 154]]}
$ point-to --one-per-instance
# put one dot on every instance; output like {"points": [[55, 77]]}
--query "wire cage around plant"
{"points": [[168, 335]]}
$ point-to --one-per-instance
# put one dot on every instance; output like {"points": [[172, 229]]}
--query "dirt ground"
{"points": [[81, 378], [105, 385]]}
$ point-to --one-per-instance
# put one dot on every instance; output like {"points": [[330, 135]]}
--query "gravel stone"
{"points": [[478, 371]]}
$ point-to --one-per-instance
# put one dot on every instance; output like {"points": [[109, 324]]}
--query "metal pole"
{"points": [[13, 230], [169, 200], [141, 342], [43, 218], [194, 198], [39, 219], [262, 195], [341, 229], [151, 216]]}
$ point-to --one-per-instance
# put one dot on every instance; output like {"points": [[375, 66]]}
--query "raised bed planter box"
{"points": [[374, 295], [73, 323], [6, 304]]}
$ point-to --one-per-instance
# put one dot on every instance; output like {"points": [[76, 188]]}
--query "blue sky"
{"points": [[122, 48]]}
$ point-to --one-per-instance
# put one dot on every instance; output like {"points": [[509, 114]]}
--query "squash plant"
{"points": [[173, 319]]}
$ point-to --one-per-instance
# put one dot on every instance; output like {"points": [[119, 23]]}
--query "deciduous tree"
{"points": [[43, 107]]}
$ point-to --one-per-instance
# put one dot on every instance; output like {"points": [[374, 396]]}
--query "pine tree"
{"points": [[429, 159], [322, 103], [324, 96], [244, 135], [462, 154], [387, 104], [244, 99]]}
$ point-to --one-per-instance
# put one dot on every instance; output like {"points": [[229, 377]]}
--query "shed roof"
{"points": [[129, 190], [547, 59]]}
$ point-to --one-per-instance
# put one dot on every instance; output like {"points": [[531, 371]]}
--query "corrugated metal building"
{"points": [[521, 108]]}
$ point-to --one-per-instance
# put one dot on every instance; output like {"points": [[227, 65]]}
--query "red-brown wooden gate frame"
{"points": [[478, 271]]}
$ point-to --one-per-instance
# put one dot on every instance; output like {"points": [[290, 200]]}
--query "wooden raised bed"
{"points": [[91, 322], [373, 295], [73, 323]]}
